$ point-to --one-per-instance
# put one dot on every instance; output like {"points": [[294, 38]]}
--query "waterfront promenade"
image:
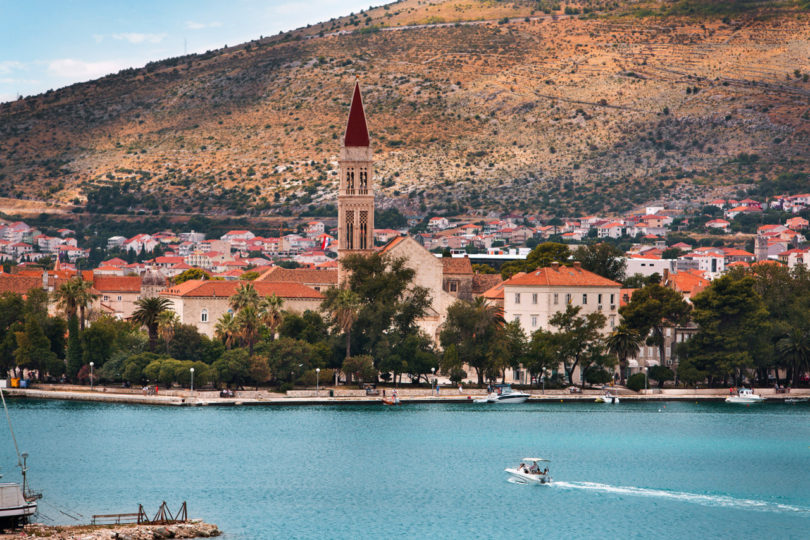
{"points": [[349, 395]]}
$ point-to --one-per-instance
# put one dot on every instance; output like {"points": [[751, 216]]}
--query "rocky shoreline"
{"points": [[189, 529]]}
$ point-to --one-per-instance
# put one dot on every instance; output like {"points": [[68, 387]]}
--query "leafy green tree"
{"points": [[509, 349], [74, 295], [733, 321], [652, 309], [636, 381], [578, 339], [244, 296], [473, 328], [604, 259], [624, 342], [270, 313], [191, 273], [390, 304], [661, 374], [483, 269], [360, 367], [233, 367], [541, 256], [98, 341], [259, 369], [309, 326], [147, 313], [542, 354], [33, 348], [288, 357]]}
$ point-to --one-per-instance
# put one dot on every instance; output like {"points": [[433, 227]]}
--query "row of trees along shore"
{"points": [[752, 323]]}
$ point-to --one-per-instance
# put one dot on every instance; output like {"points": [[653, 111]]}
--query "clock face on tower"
{"points": [[356, 195]]}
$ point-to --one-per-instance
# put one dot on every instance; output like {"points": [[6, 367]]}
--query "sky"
{"points": [[48, 44]]}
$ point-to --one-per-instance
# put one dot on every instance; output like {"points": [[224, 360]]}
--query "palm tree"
{"points": [[795, 347], [245, 295], [624, 342], [74, 295], [271, 314], [344, 306], [248, 321], [147, 313], [226, 329], [167, 321]]}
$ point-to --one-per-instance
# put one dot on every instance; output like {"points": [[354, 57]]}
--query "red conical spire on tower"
{"points": [[356, 129]]}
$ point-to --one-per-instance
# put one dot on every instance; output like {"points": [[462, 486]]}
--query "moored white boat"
{"points": [[504, 393], [531, 471], [745, 396], [608, 398]]}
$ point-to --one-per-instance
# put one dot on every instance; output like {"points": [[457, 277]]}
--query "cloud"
{"points": [[98, 38], [136, 37], [7, 66], [192, 25], [80, 70]]}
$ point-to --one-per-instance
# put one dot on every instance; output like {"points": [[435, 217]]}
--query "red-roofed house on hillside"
{"points": [[720, 224], [797, 223], [202, 303], [239, 235]]}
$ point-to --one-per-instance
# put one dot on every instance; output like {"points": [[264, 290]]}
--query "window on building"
{"points": [[517, 298], [534, 298], [611, 299], [584, 299], [517, 318], [119, 297], [556, 298], [106, 298], [568, 298], [612, 321], [599, 298], [534, 321], [204, 316], [453, 286]]}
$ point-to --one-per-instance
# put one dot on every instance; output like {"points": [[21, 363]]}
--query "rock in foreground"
{"points": [[190, 529]]}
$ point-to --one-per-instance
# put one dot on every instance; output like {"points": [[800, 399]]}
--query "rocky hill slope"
{"points": [[472, 105]]}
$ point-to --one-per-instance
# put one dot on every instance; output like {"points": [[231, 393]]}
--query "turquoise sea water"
{"points": [[635, 470]]}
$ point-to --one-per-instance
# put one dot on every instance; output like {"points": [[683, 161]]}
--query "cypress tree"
{"points": [[74, 352]]}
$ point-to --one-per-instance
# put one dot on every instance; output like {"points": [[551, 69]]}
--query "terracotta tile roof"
{"points": [[566, 276], [688, 283], [15, 283], [495, 292], [226, 289], [456, 265], [300, 275], [128, 284], [390, 245], [115, 262], [625, 295], [483, 282]]}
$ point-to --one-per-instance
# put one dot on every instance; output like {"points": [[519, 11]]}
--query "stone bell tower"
{"points": [[356, 195]]}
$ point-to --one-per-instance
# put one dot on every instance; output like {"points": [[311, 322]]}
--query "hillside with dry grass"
{"points": [[472, 106]]}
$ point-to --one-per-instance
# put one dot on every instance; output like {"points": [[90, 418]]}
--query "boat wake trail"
{"points": [[723, 501]]}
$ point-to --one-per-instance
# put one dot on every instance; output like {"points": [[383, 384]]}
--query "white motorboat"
{"points": [[504, 394], [745, 396], [608, 398], [531, 471]]}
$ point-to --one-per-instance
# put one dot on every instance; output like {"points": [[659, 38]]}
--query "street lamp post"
{"points": [[192, 380], [543, 378], [91, 375], [646, 371], [432, 374], [317, 381]]}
